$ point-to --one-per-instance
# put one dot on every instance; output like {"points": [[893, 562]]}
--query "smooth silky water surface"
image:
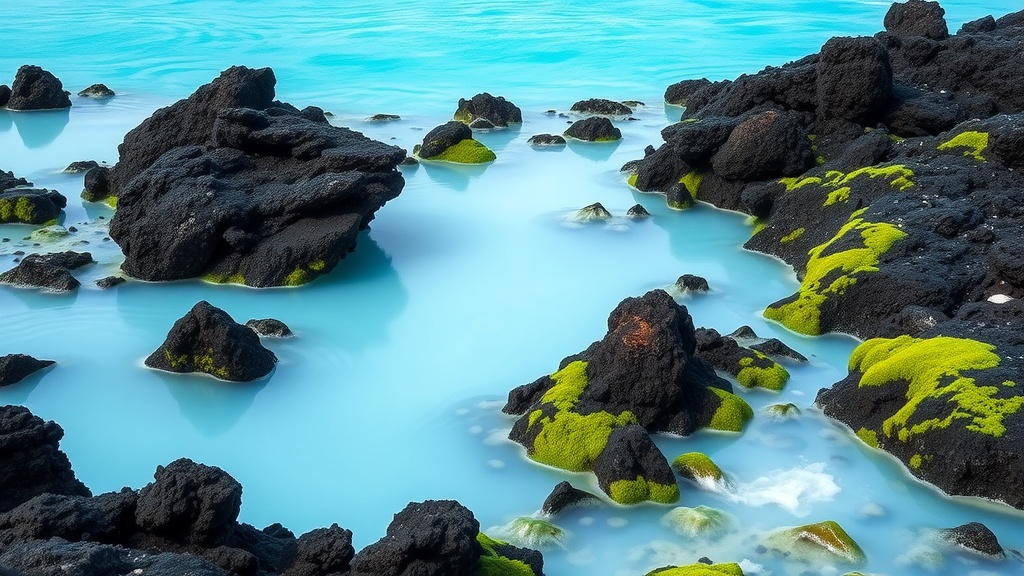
{"points": [[470, 283]]}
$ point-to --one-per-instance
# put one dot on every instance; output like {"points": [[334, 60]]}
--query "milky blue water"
{"points": [[468, 284]]}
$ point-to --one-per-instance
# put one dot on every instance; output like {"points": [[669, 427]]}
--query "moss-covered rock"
{"points": [[823, 542], [786, 411], [497, 111], [732, 413], [697, 466], [534, 533], [30, 205], [750, 367], [699, 522], [729, 569]]}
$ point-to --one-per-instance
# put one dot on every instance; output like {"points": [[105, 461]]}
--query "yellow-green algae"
{"points": [[691, 181], [869, 437], [192, 363], [772, 377], [641, 490], [733, 413], [236, 278], [838, 183], [933, 369], [110, 201], [793, 235], [782, 411], [304, 275], [724, 569], [975, 143], [494, 564], [701, 521], [631, 180], [814, 540], [804, 313], [535, 532], [696, 465], [466, 151], [21, 210]]}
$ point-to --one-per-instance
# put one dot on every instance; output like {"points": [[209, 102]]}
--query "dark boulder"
{"points": [[322, 551], [696, 141], [679, 93], [107, 518], [631, 469], [1007, 142], [33, 462], [442, 138], [15, 367], [98, 91], [269, 327], [916, 18], [9, 180], [207, 340], [854, 80], [109, 282], [981, 25], [189, 503], [481, 124], [750, 367], [601, 107], [37, 89], [564, 496], [546, 140], [499, 112], [5, 94], [80, 166], [777, 348], [233, 186], [745, 157], [914, 112], [384, 118], [594, 129], [432, 538], [975, 537], [30, 205], [692, 283], [58, 557], [637, 212], [96, 184], [50, 272]]}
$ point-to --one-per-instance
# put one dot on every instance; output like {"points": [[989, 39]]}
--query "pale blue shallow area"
{"points": [[468, 284]]}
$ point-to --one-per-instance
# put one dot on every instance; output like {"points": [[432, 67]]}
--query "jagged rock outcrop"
{"points": [[594, 129], [236, 187], [643, 372], [9, 180], [98, 91], [15, 367], [208, 340], [497, 111], [601, 107], [751, 368], [36, 89], [564, 496], [50, 272]]}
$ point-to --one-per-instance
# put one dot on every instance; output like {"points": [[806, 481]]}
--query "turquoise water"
{"points": [[468, 284]]}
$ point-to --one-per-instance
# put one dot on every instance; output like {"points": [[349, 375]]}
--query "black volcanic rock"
{"points": [[15, 367], [80, 166], [33, 462], [30, 205], [976, 537], [9, 180], [692, 283], [442, 138], [916, 18], [499, 112], [98, 91], [744, 156], [601, 107], [594, 129], [854, 79], [679, 93], [96, 184], [189, 503], [5, 94], [322, 551], [546, 140], [432, 538], [37, 89], [564, 496], [269, 327], [107, 518], [631, 469], [236, 187], [207, 340], [51, 272]]}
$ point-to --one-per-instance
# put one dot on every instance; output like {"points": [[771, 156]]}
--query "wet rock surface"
{"points": [[564, 496], [28, 205], [50, 272], [269, 327], [594, 129], [496, 111], [601, 107], [36, 89], [98, 91], [235, 186], [16, 367]]}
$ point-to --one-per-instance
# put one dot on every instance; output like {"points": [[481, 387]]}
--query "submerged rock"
{"points": [[592, 213], [15, 367], [233, 186], [497, 111], [384, 118], [602, 107], [637, 212], [699, 569], [207, 340], [546, 140], [594, 129], [698, 522], [824, 542], [976, 537], [37, 89], [80, 166], [698, 467], [564, 496], [785, 411], [534, 533], [269, 327], [692, 283], [30, 205], [453, 142], [99, 91]]}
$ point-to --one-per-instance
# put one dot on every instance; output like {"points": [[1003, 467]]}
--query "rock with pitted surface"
{"points": [[322, 551], [500, 113], [33, 462], [546, 140], [976, 537], [631, 469], [50, 272], [96, 184], [80, 166], [594, 129], [15, 367], [9, 180], [601, 107], [207, 340], [637, 212], [565, 495], [750, 367], [269, 327], [5, 94], [98, 91], [744, 156], [37, 89], [30, 205], [917, 18], [692, 283], [107, 518], [236, 187], [854, 80]]}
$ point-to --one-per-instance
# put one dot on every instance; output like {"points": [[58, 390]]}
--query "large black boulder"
{"points": [[442, 138], [496, 110], [15, 367], [107, 518], [594, 129], [37, 89], [631, 469], [33, 462], [854, 79], [976, 537], [916, 18], [236, 187], [432, 538], [29, 205], [207, 340], [744, 155]]}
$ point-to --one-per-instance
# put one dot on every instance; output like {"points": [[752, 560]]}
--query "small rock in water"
{"points": [[637, 212], [30, 205], [825, 542], [50, 272], [975, 537], [704, 560], [564, 495], [534, 533], [15, 367], [775, 347], [97, 91], [269, 327], [782, 411], [546, 140], [383, 118], [697, 466], [496, 111], [409, 161], [37, 89], [743, 333], [592, 213], [594, 129], [872, 510], [80, 166], [601, 106], [692, 283], [109, 282], [481, 124]]}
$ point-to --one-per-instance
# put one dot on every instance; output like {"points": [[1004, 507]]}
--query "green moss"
{"points": [[641, 490], [631, 180], [110, 201], [803, 314], [899, 176], [837, 195], [573, 441], [235, 278], [317, 265], [769, 374], [24, 210], [699, 522], [467, 151], [732, 414], [569, 385], [915, 461], [49, 232], [176, 362], [797, 182], [782, 411], [869, 437], [463, 116], [934, 368], [729, 569], [535, 533], [192, 363], [814, 541], [607, 138], [691, 181], [975, 143], [494, 564], [697, 465], [298, 277], [759, 224], [792, 235]]}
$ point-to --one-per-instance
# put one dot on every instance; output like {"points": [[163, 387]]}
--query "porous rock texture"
{"points": [[903, 222], [28, 205], [15, 367], [185, 522], [208, 340], [50, 272], [500, 113], [36, 89], [234, 186]]}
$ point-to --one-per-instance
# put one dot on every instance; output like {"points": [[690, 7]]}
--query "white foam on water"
{"points": [[796, 490]]}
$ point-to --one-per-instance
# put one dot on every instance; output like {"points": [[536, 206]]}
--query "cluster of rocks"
{"points": [[37, 89], [186, 522], [50, 272], [21, 203], [886, 171]]}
